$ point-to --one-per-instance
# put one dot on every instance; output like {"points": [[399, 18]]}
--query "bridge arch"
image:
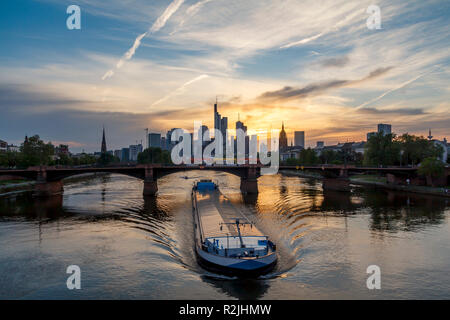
{"points": [[79, 174], [162, 172]]}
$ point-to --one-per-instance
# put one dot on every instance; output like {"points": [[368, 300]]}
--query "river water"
{"points": [[131, 247]]}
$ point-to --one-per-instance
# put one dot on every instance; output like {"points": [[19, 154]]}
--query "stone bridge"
{"points": [[49, 179]]}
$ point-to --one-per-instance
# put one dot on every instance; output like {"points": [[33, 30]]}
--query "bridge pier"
{"points": [[48, 189], [249, 186], [343, 173], [336, 184], [150, 184], [249, 181], [150, 188], [44, 188]]}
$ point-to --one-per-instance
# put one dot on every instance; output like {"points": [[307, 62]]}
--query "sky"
{"points": [[161, 64]]}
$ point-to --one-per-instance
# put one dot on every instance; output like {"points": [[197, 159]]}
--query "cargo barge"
{"points": [[226, 244]]}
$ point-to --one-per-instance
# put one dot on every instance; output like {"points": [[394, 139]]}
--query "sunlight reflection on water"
{"points": [[128, 246]]}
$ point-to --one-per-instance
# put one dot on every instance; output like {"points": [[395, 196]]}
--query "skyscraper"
{"points": [[216, 117], [224, 127], [134, 150], [125, 155], [220, 123], [103, 150], [240, 125], [299, 139], [384, 128], [154, 140], [169, 142], [283, 144], [163, 143]]}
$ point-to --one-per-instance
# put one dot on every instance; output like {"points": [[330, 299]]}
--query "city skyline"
{"points": [[160, 139], [321, 71]]}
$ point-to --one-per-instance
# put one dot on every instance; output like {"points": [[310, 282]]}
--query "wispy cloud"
{"points": [[237, 44], [157, 25], [290, 93], [335, 62], [191, 11], [396, 111]]}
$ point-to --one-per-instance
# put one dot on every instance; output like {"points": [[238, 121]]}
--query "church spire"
{"points": [[103, 142], [283, 143]]}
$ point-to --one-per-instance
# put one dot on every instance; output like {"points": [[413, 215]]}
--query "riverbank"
{"points": [[378, 181]]}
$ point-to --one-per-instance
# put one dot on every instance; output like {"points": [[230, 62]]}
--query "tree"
{"points": [[415, 149], [3, 159], [12, 158], [292, 162], [64, 159], [35, 152], [308, 156], [107, 158], [154, 155], [382, 149], [431, 168], [85, 159], [328, 156]]}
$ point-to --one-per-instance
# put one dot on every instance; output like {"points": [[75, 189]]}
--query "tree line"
{"points": [[380, 150], [34, 152]]}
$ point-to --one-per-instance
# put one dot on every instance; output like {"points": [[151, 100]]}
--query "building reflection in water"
{"points": [[25, 205], [338, 202]]}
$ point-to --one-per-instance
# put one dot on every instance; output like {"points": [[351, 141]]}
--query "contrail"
{"points": [[108, 74], [402, 85], [170, 10], [180, 89], [195, 7], [331, 29], [157, 25], [303, 41], [191, 11], [130, 53]]}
